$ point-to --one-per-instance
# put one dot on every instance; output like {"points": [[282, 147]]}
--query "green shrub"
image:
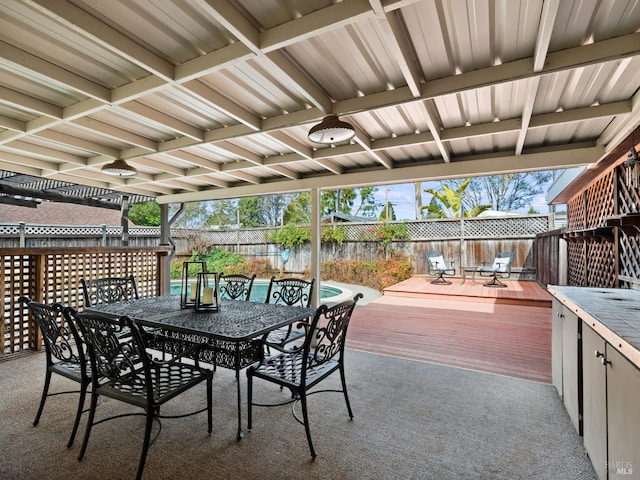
{"points": [[291, 235], [333, 233]]}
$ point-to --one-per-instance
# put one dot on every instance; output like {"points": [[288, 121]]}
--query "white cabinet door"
{"points": [[594, 404], [623, 415], [571, 371], [556, 345]]}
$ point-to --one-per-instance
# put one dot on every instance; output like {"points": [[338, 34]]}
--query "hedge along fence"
{"points": [[468, 241]]}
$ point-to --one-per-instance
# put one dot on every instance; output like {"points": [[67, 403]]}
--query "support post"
{"points": [[315, 244]]}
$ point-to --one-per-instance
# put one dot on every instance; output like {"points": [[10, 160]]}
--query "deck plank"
{"points": [[497, 333]]}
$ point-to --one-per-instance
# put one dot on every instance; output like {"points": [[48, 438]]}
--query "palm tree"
{"points": [[448, 203]]}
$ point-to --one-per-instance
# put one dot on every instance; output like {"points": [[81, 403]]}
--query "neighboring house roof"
{"points": [[55, 213], [497, 213], [343, 217]]}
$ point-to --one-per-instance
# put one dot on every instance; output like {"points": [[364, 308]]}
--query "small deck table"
{"points": [[231, 333], [468, 269]]}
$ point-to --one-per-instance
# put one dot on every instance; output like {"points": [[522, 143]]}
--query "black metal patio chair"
{"points": [[236, 286], [300, 370], [500, 268], [65, 355], [123, 369], [99, 291], [437, 267], [292, 292]]}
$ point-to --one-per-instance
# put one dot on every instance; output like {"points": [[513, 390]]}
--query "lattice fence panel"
{"points": [[628, 197], [601, 264], [17, 330], [511, 227], [576, 266], [436, 229], [576, 213], [600, 201], [629, 252], [64, 271]]}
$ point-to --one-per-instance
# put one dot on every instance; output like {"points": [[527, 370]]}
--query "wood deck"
{"points": [[499, 330]]}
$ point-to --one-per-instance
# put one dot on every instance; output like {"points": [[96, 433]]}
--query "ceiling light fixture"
{"points": [[632, 166], [119, 168], [331, 130]]}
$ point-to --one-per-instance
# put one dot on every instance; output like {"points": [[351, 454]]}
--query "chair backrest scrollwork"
{"points": [[115, 346], [325, 339], [106, 290], [61, 338], [236, 286], [290, 291]]}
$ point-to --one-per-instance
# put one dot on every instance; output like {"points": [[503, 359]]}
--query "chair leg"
{"points": [[45, 391], [440, 280], [145, 445], [87, 433], [209, 402], [495, 282], [305, 416], [249, 399], [344, 390], [83, 393]]}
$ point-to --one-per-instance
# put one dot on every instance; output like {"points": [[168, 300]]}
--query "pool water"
{"points": [[260, 287]]}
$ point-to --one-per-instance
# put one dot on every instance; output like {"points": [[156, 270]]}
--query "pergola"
{"points": [[214, 99]]}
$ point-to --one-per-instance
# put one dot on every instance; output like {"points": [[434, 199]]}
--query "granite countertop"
{"points": [[614, 313]]}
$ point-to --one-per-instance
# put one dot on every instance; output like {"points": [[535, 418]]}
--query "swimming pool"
{"points": [[328, 293]]}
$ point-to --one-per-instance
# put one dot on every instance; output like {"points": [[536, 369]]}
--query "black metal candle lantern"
{"points": [[189, 286], [208, 292]]}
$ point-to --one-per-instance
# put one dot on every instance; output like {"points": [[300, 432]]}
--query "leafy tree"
{"points": [[387, 213], [223, 212], [368, 204], [340, 200], [272, 208], [195, 215], [508, 192], [299, 209], [250, 215], [145, 214]]}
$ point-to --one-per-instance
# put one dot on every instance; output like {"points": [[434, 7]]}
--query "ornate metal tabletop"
{"points": [[235, 321]]}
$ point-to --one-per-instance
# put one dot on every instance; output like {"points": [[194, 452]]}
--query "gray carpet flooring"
{"points": [[413, 420]]}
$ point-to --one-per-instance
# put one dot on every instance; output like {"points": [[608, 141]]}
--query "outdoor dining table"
{"points": [[231, 334]]}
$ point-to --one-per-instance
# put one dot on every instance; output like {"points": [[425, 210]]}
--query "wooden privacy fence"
{"points": [[468, 242], [53, 275]]}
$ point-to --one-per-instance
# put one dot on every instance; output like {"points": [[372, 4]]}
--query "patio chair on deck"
{"points": [[236, 286], [302, 369], [437, 267], [64, 353], [500, 268], [293, 292], [122, 369]]}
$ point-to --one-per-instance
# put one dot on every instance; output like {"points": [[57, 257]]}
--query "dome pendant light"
{"points": [[331, 130], [119, 168]]}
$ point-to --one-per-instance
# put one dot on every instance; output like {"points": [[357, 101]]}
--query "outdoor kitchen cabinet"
{"points": [[609, 371], [565, 360], [611, 418]]}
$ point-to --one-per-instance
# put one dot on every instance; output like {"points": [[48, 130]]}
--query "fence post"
{"points": [[22, 234], [104, 235]]}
